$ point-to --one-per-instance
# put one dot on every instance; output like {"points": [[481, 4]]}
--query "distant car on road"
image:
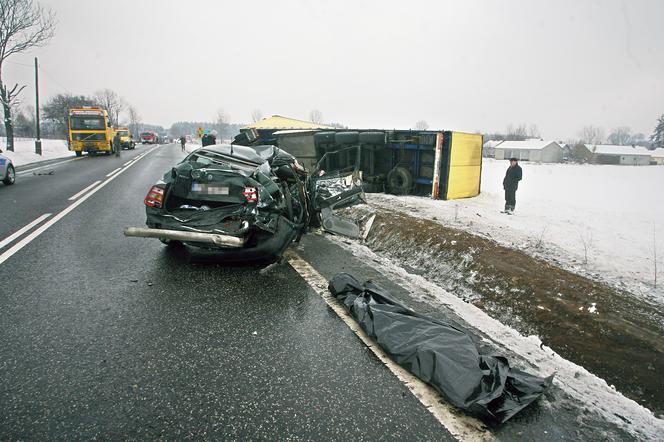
{"points": [[149, 138], [246, 203], [7, 171], [126, 139]]}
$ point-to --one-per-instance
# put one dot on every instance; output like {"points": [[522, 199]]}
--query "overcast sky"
{"points": [[462, 65]]}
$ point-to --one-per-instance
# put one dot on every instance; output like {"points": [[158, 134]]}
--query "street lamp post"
{"points": [[38, 145]]}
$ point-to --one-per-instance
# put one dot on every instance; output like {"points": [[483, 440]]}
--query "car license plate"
{"points": [[208, 189]]}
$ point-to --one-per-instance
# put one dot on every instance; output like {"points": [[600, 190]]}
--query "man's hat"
{"points": [[513, 159]]}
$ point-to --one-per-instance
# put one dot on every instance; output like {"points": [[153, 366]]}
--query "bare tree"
{"points": [[654, 251], [516, 133], [621, 136], [221, 118], [421, 125], [256, 115], [57, 108], [316, 116], [592, 135], [112, 102], [23, 25], [587, 242], [134, 120], [533, 131]]}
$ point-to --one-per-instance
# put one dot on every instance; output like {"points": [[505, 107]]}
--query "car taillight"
{"points": [[155, 197], [250, 194]]}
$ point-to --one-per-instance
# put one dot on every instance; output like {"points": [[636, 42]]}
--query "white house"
{"points": [[488, 148], [530, 150], [623, 155], [658, 156]]}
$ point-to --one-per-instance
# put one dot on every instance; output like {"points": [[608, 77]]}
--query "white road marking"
{"points": [[23, 172], [111, 173], [127, 163], [25, 241], [21, 231], [461, 426], [73, 197]]}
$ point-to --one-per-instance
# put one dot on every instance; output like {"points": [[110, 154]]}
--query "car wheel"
{"points": [[10, 176], [399, 181], [79, 153]]}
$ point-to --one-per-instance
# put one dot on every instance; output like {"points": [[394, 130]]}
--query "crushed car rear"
{"points": [[247, 202]]}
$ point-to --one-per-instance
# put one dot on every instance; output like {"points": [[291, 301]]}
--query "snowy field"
{"points": [[24, 150], [601, 221]]}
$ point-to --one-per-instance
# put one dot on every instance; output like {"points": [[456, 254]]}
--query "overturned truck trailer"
{"points": [[444, 164]]}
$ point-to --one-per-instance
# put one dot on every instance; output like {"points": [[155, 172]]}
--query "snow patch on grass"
{"points": [[533, 355], [24, 150], [594, 220]]}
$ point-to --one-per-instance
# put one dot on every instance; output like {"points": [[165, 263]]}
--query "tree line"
{"points": [[55, 113], [589, 134]]}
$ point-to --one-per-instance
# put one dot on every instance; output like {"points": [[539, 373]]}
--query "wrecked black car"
{"points": [[246, 203]]}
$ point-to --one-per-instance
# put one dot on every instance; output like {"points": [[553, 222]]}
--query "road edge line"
{"points": [[461, 426], [11, 238], [28, 239]]}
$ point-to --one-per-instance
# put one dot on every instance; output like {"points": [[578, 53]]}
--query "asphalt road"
{"points": [[103, 336]]}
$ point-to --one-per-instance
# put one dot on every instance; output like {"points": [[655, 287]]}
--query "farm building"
{"points": [[530, 150], [622, 155], [658, 156], [489, 148]]}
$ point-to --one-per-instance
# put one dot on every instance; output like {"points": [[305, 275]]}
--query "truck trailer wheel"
{"points": [[79, 153], [324, 137], [346, 137], [372, 138], [399, 181]]}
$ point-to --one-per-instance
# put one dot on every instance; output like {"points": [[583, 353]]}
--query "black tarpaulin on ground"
{"points": [[440, 354]]}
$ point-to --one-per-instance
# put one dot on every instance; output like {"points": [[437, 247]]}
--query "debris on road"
{"points": [[439, 353]]}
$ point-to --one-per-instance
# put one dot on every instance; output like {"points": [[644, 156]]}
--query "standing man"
{"points": [[117, 143], [510, 184], [183, 141]]}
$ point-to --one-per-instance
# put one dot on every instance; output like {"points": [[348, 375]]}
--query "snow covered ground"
{"points": [[597, 220], [24, 150]]}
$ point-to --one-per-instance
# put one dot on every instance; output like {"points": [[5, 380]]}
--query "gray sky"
{"points": [[471, 65]]}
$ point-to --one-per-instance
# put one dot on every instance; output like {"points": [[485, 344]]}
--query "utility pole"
{"points": [[38, 146]]}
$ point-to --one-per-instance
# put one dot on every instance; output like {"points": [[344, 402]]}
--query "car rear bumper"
{"points": [[187, 236], [253, 244]]}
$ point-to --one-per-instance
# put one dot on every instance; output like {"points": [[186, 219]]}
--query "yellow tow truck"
{"points": [[126, 138], [91, 131]]}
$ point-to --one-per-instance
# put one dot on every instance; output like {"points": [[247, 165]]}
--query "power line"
{"points": [[49, 75], [20, 64], [53, 79]]}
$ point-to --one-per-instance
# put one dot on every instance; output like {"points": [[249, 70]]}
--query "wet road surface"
{"points": [[108, 337], [104, 336]]}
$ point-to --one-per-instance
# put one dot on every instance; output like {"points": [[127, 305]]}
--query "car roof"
{"points": [[254, 154]]}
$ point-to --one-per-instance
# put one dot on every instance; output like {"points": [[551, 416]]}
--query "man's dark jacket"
{"points": [[512, 178]]}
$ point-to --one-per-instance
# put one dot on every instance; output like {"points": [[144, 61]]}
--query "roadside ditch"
{"points": [[609, 332]]}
